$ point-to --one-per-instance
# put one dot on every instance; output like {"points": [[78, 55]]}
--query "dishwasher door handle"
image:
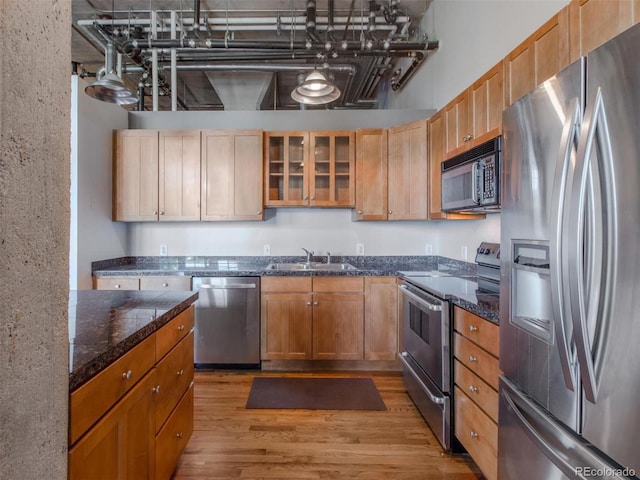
{"points": [[229, 287]]}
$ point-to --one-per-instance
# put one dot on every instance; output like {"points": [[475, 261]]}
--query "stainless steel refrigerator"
{"points": [[570, 266]]}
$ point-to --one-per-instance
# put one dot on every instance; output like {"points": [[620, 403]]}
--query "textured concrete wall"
{"points": [[34, 237]]}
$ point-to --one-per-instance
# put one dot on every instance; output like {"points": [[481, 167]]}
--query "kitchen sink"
{"points": [[310, 267]]}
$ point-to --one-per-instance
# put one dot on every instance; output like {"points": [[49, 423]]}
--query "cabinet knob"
{"points": [[472, 358], [313, 198], [127, 375], [390, 212], [156, 389], [308, 304], [467, 138], [473, 389], [165, 284], [161, 213], [306, 197], [181, 328], [180, 372], [259, 212], [179, 435], [359, 212], [473, 434], [117, 285], [155, 212], [315, 303], [473, 328]]}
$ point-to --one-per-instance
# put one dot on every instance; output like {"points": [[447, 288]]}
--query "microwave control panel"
{"points": [[488, 179]]}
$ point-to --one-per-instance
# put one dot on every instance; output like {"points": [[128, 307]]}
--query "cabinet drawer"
{"points": [[338, 284], [477, 433], [174, 374], [90, 401], [116, 283], [477, 390], [478, 330], [484, 365], [165, 283], [174, 331], [285, 284], [174, 436]]}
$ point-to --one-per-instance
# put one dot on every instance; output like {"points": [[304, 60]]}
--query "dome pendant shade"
{"points": [[111, 88], [316, 89]]}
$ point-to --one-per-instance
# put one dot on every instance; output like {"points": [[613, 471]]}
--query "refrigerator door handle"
{"points": [[559, 274], [567, 452], [593, 244]]}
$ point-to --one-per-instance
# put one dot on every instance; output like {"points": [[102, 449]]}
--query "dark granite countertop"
{"points": [[479, 303], [105, 324]]}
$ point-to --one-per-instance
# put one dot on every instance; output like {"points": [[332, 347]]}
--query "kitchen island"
{"points": [[131, 382]]}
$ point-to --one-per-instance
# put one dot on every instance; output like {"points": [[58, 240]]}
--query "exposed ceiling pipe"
{"points": [[311, 20], [330, 19], [244, 67], [399, 83]]}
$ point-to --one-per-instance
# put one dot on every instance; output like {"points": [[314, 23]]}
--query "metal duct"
{"points": [[311, 20], [240, 90]]}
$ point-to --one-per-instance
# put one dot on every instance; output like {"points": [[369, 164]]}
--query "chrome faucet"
{"points": [[328, 257], [309, 255]]}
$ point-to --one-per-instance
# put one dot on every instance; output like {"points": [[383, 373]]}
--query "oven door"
{"points": [[425, 334], [460, 187]]}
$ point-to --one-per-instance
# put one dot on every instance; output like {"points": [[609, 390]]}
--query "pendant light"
{"points": [[110, 88], [315, 89]]}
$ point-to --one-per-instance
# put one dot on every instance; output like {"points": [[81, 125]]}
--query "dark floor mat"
{"points": [[315, 393]]}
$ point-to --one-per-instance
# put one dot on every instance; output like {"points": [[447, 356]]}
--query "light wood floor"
{"points": [[231, 442]]}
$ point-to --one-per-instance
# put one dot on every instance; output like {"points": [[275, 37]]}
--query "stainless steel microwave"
{"points": [[471, 180]]}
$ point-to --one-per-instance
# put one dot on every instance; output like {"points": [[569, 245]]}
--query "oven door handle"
{"points": [[431, 306], [434, 398]]}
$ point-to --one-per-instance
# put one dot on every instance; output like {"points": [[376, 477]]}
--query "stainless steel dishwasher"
{"points": [[227, 322]]}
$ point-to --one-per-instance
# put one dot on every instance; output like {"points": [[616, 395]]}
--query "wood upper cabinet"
{"points": [[458, 125], [156, 175], [543, 54], [408, 171], [380, 318], [486, 103], [179, 175], [332, 180], [135, 175], [437, 142], [309, 169], [371, 180], [593, 22], [232, 175]]}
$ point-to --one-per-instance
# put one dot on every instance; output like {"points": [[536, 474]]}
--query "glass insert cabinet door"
{"points": [[310, 169], [287, 167], [332, 178]]}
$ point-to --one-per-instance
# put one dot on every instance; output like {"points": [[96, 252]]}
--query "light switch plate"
{"points": [[428, 249], [164, 251], [359, 248], [266, 249]]}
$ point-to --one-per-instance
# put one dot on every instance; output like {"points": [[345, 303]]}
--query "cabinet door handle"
{"points": [[165, 284], [390, 212], [155, 212], [180, 373], [259, 212], [308, 304], [127, 375], [161, 213], [473, 434], [117, 285], [473, 328], [306, 197], [179, 435], [473, 389], [472, 358], [156, 389], [315, 303], [467, 138], [181, 328], [359, 212]]}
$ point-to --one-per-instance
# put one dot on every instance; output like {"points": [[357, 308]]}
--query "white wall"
{"points": [[474, 35], [320, 230], [93, 235]]}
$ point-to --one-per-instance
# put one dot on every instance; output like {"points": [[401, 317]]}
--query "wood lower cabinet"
{"points": [[408, 172], [169, 282], [372, 171], [134, 419], [476, 372], [543, 54], [380, 318], [232, 175], [121, 446], [317, 318]]}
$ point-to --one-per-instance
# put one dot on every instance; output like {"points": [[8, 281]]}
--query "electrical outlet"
{"points": [[164, 250], [359, 248], [428, 249], [266, 249], [463, 252]]}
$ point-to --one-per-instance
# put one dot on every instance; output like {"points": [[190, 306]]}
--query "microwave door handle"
{"points": [[475, 197]]}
